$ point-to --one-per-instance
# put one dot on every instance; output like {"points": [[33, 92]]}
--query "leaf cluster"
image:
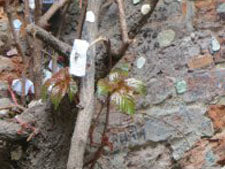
{"points": [[60, 84], [121, 89]]}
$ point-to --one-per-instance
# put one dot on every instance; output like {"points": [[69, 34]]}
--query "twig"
{"points": [[61, 24], [94, 125], [8, 10], [99, 151], [38, 10], [104, 140], [51, 11], [97, 40], [62, 18], [59, 46], [12, 106], [87, 92], [81, 19], [123, 23], [133, 31], [12, 95]]}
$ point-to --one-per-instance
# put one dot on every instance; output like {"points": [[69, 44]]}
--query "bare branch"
{"points": [[59, 46], [12, 106], [83, 123], [123, 23], [52, 10], [81, 20], [8, 10]]}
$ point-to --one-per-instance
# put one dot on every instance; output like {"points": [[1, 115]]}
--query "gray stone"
{"points": [[5, 102], [181, 87], [17, 153], [166, 37], [136, 2], [35, 103], [159, 90], [3, 26], [182, 126], [140, 62], [210, 158], [6, 64], [145, 9], [204, 85], [155, 156], [221, 8], [215, 44]]}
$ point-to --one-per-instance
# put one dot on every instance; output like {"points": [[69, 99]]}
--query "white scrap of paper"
{"points": [[32, 4], [90, 16], [78, 57], [17, 24], [17, 86]]}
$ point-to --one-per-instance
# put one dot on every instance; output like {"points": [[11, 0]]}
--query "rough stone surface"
{"points": [[3, 89], [6, 64], [181, 125], [173, 127], [4, 102], [166, 37], [165, 116], [143, 158]]}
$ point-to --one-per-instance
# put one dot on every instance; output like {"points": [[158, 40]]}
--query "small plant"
{"points": [[58, 86], [121, 89]]}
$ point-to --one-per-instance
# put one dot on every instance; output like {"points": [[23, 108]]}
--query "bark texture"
{"points": [[80, 135]]}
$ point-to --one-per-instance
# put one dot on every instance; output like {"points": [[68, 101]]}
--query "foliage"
{"points": [[58, 86], [121, 89]]}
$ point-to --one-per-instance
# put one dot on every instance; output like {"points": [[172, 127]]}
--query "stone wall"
{"points": [[179, 54]]}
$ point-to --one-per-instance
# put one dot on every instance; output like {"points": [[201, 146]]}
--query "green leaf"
{"points": [[72, 90], [55, 99], [137, 85], [124, 102], [118, 74], [57, 93], [44, 92], [103, 88]]}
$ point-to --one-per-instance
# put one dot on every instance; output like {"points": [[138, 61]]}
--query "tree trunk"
{"points": [[80, 135]]}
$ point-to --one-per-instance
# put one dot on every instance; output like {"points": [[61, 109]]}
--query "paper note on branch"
{"points": [[78, 57]]}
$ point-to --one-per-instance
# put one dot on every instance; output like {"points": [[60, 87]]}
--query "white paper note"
{"points": [[78, 58], [32, 4], [90, 16]]}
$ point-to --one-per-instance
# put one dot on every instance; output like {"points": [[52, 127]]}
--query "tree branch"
{"points": [[8, 10], [123, 23], [83, 123], [59, 46], [51, 11]]}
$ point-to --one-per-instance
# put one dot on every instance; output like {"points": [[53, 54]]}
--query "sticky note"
{"points": [[78, 58]]}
